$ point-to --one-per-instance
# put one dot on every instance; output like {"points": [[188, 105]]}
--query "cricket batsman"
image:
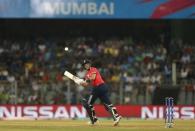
{"points": [[99, 90]]}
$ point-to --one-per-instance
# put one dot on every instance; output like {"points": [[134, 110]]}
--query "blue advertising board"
{"points": [[98, 9]]}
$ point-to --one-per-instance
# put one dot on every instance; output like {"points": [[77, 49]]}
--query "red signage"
{"points": [[77, 111]]}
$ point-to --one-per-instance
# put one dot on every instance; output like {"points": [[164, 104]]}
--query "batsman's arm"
{"points": [[88, 81], [92, 77], [84, 84]]}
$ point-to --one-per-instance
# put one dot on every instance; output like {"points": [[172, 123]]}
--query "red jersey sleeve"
{"points": [[98, 79]]}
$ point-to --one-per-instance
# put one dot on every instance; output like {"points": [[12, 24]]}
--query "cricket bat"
{"points": [[76, 79]]}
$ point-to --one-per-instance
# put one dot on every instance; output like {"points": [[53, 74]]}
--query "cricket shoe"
{"points": [[94, 122], [169, 125], [116, 122]]}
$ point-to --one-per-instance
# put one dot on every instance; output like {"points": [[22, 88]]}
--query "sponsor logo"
{"points": [[72, 8], [158, 112], [77, 111], [42, 112]]}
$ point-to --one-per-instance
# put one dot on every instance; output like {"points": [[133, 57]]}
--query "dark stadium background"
{"points": [[58, 30]]}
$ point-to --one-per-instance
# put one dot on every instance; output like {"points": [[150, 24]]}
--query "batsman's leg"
{"points": [[90, 109], [110, 108]]}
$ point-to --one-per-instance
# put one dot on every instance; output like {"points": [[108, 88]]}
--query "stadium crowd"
{"points": [[132, 68]]}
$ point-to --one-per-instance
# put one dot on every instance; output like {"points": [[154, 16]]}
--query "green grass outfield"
{"points": [[104, 125]]}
